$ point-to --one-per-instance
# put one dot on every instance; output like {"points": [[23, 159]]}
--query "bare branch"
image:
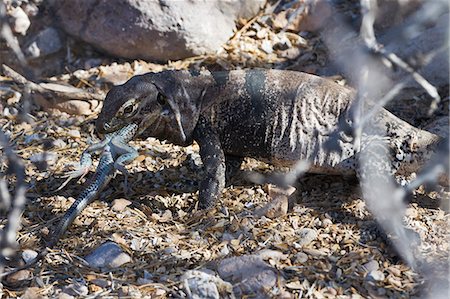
{"points": [[14, 204]]}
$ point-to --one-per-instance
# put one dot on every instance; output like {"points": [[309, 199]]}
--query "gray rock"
{"points": [[108, 256], [371, 266], [76, 289], [201, 285], [28, 255], [44, 159], [155, 30], [375, 275], [46, 42], [307, 235], [250, 275], [34, 137]]}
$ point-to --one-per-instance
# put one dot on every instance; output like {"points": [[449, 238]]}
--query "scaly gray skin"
{"points": [[116, 153], [276, 116]]}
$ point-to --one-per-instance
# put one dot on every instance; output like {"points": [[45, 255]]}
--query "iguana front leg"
{"points": [[213, 160]]}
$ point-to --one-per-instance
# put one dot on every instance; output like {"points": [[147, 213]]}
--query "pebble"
{"points": [[28, 255], [20, 21], [307, 235], [375, 275], [109, 255], [301, 258], [32, 293], [249, 274], [59, 143], [76, 289], [46, 42], [34, 137], [10, 112], [74, 133], [129, 292], [120, 204], [42, 160], [224, 251], [18, 277], [371, 266], [199, 284], [266, 46]]}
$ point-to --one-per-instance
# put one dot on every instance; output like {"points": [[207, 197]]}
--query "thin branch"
{"points": [[16, 203]]}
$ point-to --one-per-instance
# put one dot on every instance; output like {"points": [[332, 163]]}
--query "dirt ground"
{"points": [[346, 256]]}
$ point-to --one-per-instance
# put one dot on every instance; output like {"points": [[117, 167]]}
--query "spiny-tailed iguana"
{"points": [[277, 116]]}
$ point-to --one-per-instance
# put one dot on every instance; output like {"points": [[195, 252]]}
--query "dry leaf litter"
{"points": [[325, 245]]}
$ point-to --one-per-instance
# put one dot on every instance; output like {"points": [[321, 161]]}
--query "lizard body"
{"points": [[115, 153], [276, 116]]}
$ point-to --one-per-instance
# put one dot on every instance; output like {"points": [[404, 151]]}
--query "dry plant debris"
{"points": [[326, 245]]}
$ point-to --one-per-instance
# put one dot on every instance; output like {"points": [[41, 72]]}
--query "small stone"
{"points": [[76, 289], [120, 204], [250, 274], [375, 275], [18, 277], [43, 160], [59, 143], [327, 222], [20, 21], [371, 266], [224, 250], [74, 133], [301, 258], [28, 255], [129, 292], [10, 112], [46, 42], [32, 293], [266, 46], [262, 33], [34, 137], [109, 255], [307, 235], [198, 284]]}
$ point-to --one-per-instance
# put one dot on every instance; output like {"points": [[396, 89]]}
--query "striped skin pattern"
{"points": [[277, 116]]}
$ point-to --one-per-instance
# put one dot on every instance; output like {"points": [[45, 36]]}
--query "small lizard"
{"points": [[277, 116], [116, 153]]}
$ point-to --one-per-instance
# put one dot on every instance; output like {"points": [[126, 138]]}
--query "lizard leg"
{"points": [[232, 166], [81, 170], [85, 163], [213, 160], [126, 154]]}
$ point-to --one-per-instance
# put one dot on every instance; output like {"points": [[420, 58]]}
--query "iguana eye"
{"points": [[128, 109], [161, 99]]}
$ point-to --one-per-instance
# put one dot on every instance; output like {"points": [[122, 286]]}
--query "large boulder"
{"points": [[154, 30]]}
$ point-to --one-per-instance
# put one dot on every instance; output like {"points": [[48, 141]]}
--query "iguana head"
{"points": [[165, 105]]}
